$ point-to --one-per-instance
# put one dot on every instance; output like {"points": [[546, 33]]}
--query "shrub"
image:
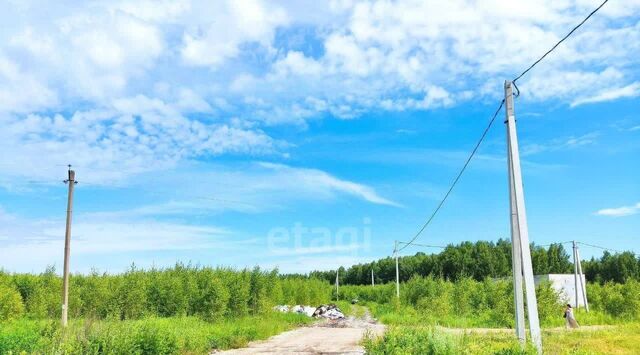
{"points": [[11, 306]]}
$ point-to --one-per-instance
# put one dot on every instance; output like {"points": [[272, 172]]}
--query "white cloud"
{"points": [[236, 22], [136, 135], [34, 95], [43, 240], [560, 144], [319, 182], [620, 211], [631, 90]]}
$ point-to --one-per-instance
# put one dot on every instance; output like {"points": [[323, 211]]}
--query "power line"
{"points": [[455, 181], [423, 245], [557, 44], [548, 245], [493, 119], [599, 247]]}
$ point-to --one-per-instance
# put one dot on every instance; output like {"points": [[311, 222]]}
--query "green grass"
{"points": [[174, 335], [618, 339], [413, 332]]}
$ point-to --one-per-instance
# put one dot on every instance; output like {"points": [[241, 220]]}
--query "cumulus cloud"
{"points": [[135, 135], [236, 22], [130, 82]]}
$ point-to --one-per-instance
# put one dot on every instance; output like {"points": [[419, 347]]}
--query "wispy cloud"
{"points": [[620, 211], [631, 90], [43, 239], [560, 144], [322, 182]]}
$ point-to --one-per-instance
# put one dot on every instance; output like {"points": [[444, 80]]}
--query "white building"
{"points": [[564, 284]]}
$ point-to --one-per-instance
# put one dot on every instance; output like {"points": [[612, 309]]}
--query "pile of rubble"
{"points": [[329, 311]]}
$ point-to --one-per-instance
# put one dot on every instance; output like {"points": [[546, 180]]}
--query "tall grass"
{"points": [[431, 341], [175, 335]]}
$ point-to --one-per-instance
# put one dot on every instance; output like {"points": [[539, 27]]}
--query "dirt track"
{"points": [[327, 337]]}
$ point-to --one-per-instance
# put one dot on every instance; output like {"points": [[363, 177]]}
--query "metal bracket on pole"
{"points": [[519, 227]]}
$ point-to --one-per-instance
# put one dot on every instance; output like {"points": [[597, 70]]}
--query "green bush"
{"points": [[11, 306], [417, 340]]}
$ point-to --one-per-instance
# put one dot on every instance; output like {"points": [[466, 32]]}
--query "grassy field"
{"points": [[173, 335], [435, 316], [192, 310], [411, 332], [416, 339]]}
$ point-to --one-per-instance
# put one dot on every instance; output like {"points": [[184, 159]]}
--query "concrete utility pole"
{"points": [[516, 260], [517, 197], [67, 241], [337, 285], [577, 276], [373, 282], [395, 251]]}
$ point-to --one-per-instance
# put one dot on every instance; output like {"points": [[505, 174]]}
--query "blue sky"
{"points": [[307, 135]]}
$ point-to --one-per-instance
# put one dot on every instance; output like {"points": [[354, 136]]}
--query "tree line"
{"points": [[484, 259]]}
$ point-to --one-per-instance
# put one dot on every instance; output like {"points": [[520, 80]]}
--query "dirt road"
{"points": [[327, 337]]}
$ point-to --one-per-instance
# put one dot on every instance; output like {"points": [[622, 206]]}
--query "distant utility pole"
{"points": [[71, 181], [395, 251], [373, 282], [337, 284], [519, 229], [577, 275]]}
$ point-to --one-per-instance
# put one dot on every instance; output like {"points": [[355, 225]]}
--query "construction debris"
{"points": [[329, 311], [306, 310]]}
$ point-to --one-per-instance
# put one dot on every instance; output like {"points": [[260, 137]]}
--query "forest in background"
{"points": [[483, 259]]}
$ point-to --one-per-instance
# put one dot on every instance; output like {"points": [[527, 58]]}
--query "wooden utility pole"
{"points": [[395, 251], [519, 221], [67, 241]]}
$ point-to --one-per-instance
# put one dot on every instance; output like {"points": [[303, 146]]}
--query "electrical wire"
{"points": [[599, 247], [559, 42], [423, 245], [455, 181], [548, 245], [492, 120]]}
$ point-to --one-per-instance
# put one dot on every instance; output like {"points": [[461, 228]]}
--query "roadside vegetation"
{"points": [[189, 309], [431, 315], [183, 309]]}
